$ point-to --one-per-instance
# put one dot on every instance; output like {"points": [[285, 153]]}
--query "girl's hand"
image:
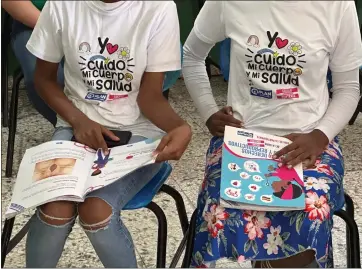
{"points": [[217, 122], [174, 144], [304, 148], [91, 133]]}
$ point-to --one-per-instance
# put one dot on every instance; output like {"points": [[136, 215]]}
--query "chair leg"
{"points": [[18, 237], [5, 96], [180, 205], [5, 238], [349, 206], [12, 124], [353, 244], [355, 114], [179, 251], [190, 241], [162, 234], [166, 93]]}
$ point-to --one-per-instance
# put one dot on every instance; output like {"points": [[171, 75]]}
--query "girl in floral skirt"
{"points": [[280, 54]]}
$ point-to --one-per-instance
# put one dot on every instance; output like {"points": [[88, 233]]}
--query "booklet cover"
{"points": [[65, 170], [252, 180]]}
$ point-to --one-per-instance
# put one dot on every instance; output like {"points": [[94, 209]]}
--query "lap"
{"points": [[232, 233], [121, 191]]}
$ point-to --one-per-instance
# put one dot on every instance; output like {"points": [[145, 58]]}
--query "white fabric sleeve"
{"points": [[195, 75], [209, 28], [163, 52], [46, 39], [347, 51], [210, 25], [346, 94]]}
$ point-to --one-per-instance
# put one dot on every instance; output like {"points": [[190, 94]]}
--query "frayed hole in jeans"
{"points": [[102, 225]]}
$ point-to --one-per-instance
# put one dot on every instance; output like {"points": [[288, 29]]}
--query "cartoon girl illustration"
{"points": [[100, 163], [284, 189]]}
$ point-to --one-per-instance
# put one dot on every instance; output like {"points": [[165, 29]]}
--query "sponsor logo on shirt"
{"points": [[101, 97], [112, 97], [290, 93], [268, 94], [245, 134]]}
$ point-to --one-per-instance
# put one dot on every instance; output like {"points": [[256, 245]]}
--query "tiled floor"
{"points": [[186, 177]]}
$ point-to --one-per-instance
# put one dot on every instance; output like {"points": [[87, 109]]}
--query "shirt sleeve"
{"points": [[195, 76], [209, 25], [46, 40], [163, 53], [343, 104], [347, 52]]}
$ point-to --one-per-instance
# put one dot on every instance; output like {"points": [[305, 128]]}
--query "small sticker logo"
{"points": [[244, 175], [16, 207], [101, 97], [256, 142], [254, 187], [268, 94], [249, 197], [112, 97], [291, 93], [233, 193], [236, 183], [245, 134], [266, 199], [233, 167]]}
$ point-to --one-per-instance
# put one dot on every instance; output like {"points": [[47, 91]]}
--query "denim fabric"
{"points": [[112, 243], [20, 36]]}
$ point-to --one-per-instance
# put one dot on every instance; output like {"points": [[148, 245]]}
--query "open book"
{"points": [[252, 180], [65, 170]]}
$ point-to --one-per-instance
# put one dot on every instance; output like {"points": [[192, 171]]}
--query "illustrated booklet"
{"points": [[65, 170], [252, 180]]}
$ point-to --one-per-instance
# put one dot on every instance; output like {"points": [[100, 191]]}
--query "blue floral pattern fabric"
{"points": [[252, 235]]}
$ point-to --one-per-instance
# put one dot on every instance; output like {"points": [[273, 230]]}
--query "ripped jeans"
{"points": [[112, 242]]}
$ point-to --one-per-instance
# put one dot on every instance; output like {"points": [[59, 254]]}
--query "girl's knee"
{"points": [[57, 213], [94, 214]]}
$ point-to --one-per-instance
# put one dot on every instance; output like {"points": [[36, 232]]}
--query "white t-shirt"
{"points": [[107, 48], [280, 53]]}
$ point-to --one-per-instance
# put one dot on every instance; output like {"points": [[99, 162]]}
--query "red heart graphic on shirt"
{"points": [[111, 48], [281, 43]]}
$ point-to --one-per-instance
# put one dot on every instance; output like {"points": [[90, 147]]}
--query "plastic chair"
{"points": [[143, 199], [172, 76], [9, 117], [347, 214]]}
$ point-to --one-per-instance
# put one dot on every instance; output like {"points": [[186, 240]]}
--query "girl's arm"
{"points": [[344, 101], [345, 60], [209, 29], [23, 11], [163, 54], [195, 76], [46, 44]]}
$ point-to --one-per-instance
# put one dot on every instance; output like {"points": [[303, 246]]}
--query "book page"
{"points": [[49, 171], [250, 176], [120, 161]]}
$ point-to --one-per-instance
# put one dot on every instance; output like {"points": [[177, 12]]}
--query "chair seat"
{"points": [[145, 196]]}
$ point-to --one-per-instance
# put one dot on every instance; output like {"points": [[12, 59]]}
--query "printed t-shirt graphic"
{"points": [[107, 48], [275, 63], [107, 72]]}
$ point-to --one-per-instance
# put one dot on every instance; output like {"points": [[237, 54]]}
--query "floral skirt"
{"points": [[253, 235]]}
